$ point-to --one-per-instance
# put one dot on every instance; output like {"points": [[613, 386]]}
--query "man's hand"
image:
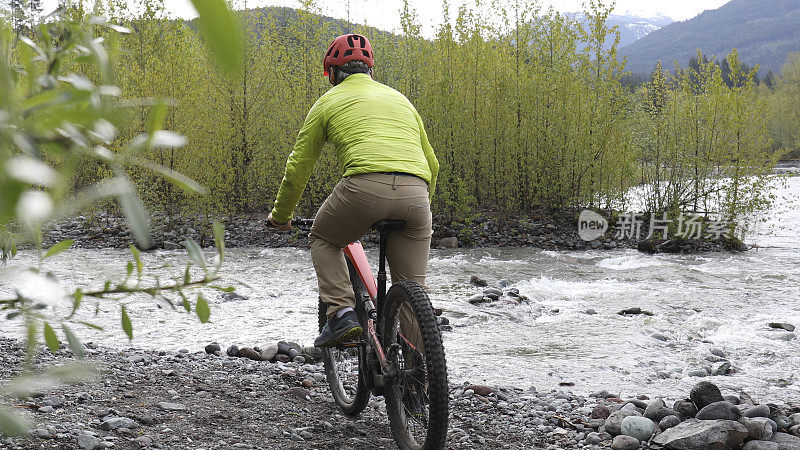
{"points": [[281, 226]]}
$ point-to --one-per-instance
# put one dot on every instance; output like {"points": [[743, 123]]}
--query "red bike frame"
{"points": [[355, 252]]}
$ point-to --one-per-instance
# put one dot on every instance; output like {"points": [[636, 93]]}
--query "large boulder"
{"points": [[719, 410], [786, 441], [705, 393], [639, 427], [756, 411], [761, 445], [759, 428], [703, 434], [613, 425]]}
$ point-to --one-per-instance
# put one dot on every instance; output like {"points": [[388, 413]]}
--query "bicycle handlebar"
{"points": [[296, 222]]}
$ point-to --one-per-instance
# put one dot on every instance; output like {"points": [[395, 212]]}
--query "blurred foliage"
{"points": [[65, 144]]}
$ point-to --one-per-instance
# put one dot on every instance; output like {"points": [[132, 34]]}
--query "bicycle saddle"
{"points": [[386, 226]]}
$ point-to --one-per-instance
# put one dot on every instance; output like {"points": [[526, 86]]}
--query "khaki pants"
{"points": [[347, 214]]}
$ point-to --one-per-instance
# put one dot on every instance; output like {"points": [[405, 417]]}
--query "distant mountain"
{"points": [[763, 31], [631, 27]]}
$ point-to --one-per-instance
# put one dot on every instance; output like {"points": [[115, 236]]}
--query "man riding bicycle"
{"points": [[390, 172]]}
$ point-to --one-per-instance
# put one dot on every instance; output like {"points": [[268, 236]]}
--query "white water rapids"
{"points": [[718, 300]]}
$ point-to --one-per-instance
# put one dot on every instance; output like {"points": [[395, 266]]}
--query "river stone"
{"points": [[782, 326], [703, 434], [233, 350], [593, 439], [613, 424], [759, 428], [112, 423], [623, 442], [212, 348], [631, 407], [86, 441], [600, 412], [663, 412], [652, 407], [756, 411], [795, 418], [167, 406], [685, 409], [269, 353], [786, 441], [795, 430], [478, 299], [249, 353], [700, 372], [705, 393], [478, 281], [493, 293], [781, 421], [719, 410], [669, 422], [721, 368], [639, 427], [761, 445]]}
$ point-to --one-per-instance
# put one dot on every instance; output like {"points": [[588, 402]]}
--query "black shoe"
{"points": [[338, 330]]}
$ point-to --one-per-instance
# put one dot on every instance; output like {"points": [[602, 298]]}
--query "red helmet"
{"points": [[346, 48]]}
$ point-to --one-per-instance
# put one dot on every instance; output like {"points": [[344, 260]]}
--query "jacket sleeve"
{"points": [[300, 163], [433, 163]]}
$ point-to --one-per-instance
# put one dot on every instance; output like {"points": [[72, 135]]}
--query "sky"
{"points": [[384, 13]]}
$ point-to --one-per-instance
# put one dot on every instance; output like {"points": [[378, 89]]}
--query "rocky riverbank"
{"points": [[550, 232], [207, 398]]}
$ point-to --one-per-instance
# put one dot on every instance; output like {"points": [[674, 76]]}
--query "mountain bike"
{"points": [[399, 355]]}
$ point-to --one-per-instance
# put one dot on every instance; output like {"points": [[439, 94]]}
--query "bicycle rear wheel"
{"points": [[417, 400], [343, 364]]}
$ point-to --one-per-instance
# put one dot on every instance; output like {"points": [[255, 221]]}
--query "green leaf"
{"points": [[203, 312], [12, 424], [77, 298], [221, 30], [91, 325], [219, 239], [137, 257], [195, 252], [59, 247], [181, 180], [223, 289], [50, 338], [127, 327], [186, 305], [74, 343], [187, 277], [129, 268], [134, 213]]}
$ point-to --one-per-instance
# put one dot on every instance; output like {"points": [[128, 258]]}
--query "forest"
{"points": [[526, 110]]}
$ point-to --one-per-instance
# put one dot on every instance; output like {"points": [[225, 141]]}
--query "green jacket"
{"points": [[374, 129]]}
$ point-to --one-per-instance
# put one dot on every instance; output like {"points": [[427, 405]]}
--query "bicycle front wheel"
{"points": [[417, 399], [343, 364]]}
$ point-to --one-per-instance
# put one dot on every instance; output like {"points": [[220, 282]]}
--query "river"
{"points": [[700, 302]]}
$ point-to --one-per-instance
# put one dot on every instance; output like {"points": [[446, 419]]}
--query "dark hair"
{"points": [[349, 68]]}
